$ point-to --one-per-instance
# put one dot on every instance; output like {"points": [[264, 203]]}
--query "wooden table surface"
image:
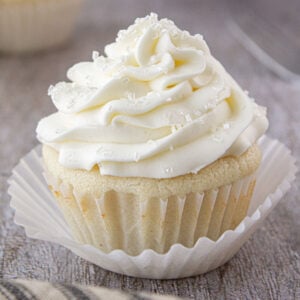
{"points": [[266, 267]]}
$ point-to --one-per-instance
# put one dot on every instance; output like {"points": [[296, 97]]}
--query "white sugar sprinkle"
{"points": [[131, 96], [169, 170], [150, 142], [188, 118], [95, 55], [136, 156], [217, 138], [50, 90], [226, 125], [173, 129]]}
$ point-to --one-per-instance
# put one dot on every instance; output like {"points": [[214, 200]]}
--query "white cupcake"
{"points": [[153, 144], [32, 25]]}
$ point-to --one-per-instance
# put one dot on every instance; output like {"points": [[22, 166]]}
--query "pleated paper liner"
{"points": [[37, 211], [122, 221]]}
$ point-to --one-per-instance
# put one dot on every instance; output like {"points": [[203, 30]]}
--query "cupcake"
{"points": [[32, 25], [153, 144]]}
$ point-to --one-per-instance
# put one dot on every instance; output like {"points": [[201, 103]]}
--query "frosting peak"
{"points": [[157, 105]]}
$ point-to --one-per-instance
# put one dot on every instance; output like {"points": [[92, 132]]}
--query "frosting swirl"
{"points": [[157, 105]]}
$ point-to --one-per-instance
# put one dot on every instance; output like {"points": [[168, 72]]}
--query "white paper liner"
{"points": [[27, 26], [159, 223], [37, 211]]}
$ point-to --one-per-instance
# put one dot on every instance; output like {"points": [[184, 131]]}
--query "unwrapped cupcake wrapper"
{"points": [[33, 25], [38, 212], [122, 221]]}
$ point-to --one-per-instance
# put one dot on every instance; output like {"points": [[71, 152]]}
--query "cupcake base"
{"points": [[122, 221], [138, 213]]}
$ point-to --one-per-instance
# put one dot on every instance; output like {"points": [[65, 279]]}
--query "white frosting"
{"points": [[157, 105]]}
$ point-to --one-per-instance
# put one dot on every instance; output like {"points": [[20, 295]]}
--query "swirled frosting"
{"points": [[157, 105]]}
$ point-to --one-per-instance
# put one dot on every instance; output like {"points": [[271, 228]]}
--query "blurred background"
{"points": [[257, 41]]}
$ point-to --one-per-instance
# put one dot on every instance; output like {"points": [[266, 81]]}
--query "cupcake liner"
{"points": [[37, 211], [33, 25], [123, 221]]}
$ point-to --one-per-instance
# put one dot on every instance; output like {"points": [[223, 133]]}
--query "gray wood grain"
{"points": [[267, 266]]}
